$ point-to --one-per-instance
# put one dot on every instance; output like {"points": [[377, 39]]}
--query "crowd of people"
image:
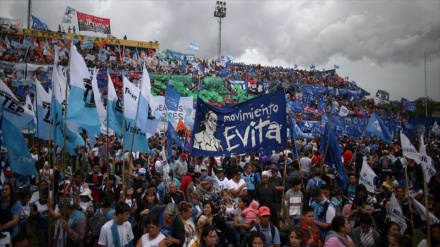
{"points": [[107, 196]]}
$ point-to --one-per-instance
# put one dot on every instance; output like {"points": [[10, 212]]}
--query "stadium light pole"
{"points": [[220, 13]]}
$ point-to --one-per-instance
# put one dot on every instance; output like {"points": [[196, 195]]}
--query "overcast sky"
{"points": [[378, 44]]}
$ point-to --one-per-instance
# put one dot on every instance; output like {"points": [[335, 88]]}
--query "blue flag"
{"points": [[172, 98], [336, 66], [247, 127], [292, 138], [19, 156], [38, 24], [376, 127], [172, 137], [332, 150]]}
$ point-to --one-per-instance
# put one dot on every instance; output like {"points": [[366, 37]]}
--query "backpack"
{"points": [[317, 182], [244, 242], [93, 228]]}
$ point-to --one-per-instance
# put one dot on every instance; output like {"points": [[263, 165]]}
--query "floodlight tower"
{"points": [[220, 13]]}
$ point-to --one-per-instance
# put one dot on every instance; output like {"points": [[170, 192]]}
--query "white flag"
{"points": [[421, 210], [408, 149], [343, 111], [426, 162], [395, 214], [102, 113], [366, 177]]}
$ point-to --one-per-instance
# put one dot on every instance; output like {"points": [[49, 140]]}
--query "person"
{"points": [[138, 183], [77, 186], [197, 239], [210, 192], [110, 186], [86, 203], [256, 239], [170, 224], [186, 181], [434, 238], [117, 232], [295, 237], [106, 209], [317, 181], [389, 229], [267, 228], [399, 240], [215, 219], [266, 195], [209, 236], [338, 235], [249, 178], [309, 229], [236, 184], [181, 167], [10, 210], [153, 237], [21, 240], [292, 203], [174, 195], [250, 213], [95, 181], [365, 235], [324, 210], [185, 210], [197, 206], [195, 185], [204, 139], [72, 229], [39, 219]]}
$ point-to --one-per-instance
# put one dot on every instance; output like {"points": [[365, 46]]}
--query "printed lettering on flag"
{"points": [[376, 127], [242, 128], [426, 161], [408, 149], [185, 111], [172, 98], [395, 214], [421, 210], [43, 111], [93, 23], [367, 176]]}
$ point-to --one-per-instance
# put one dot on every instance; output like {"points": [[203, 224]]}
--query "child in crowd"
{"points": [[250, 213]]}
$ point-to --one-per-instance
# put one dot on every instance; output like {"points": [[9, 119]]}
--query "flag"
{"points": [[43, 111], [134, 138], [12, 109], [408, 105], [193, 47], [145, 120], [114, 108], [81, 107], [343, 111], [376, 127], [102, 113], [187, 144], [421, 210], [68, 14], [19, 156], [172, 98], [292, 137], [367, 177], [336, 66], [426, 161], [395, 214], [333, 155], [173, 137], [37, 24], [93, 23], [408, 149], [312, 67], [295, 66]]}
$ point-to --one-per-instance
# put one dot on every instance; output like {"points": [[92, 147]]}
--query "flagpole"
{"points": [[326, 148], [426, 92], [428, 219], [108, 141], [410, 206]]}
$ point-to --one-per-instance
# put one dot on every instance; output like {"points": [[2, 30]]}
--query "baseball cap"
{"points": [[183, 156], [142, 171], [207, 180], [262, 211], [220, 169]]}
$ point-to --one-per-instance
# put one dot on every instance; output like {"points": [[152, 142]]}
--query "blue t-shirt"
{"points": [[165, 230], [16, 209]]}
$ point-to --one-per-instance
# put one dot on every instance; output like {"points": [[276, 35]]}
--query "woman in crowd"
{"points": [[209, 236], [399, 240], [295, 237], [239, 221], [227, 208], [86, 203], [197, 207], [153, 237], [185, 211], [195, 184], [256, 239], [39, 218], [389, 229], [434, 238], [149, 200], [338, 235], [197, 239], [215, 220], [46, 173]]}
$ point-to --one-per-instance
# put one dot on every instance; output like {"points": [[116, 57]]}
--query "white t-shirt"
{"points": [[305, 164], [158, 166], [152, 243], [235, 186], [36, 196], [124, 230], [6, 240]]}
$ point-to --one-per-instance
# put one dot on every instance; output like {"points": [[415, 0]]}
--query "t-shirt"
{"points": [[233, 185], [6, 240], [16, 209], [124, 230], [305, 164], [293, 201], [166, 230], [151, 243]]}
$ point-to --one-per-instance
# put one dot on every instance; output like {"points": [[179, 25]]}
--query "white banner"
{"points": [[366, 177], [421, 210], [426, 162], [185, 112], [343, 111], [408, 149], [395, 214]]}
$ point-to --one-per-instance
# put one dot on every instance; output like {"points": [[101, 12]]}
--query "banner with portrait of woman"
{"points": [[250, 126]]}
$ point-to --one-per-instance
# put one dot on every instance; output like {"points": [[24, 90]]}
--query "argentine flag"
{"points": [[114, 108], [193, 47]]}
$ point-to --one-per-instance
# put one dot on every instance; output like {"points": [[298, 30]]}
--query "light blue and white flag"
{"points": [[43, 111], [37, 24], [102, 113], [12, 109], [145, 120], [81, 107], [114, 108], [19, 156], [193, 47], [70, 12], [376, 127]]}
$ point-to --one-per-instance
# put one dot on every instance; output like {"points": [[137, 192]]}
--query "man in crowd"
{"points": [[323, 209], [117, 232], [270, 231], [174, 195], [236, 185], [95, 181]]}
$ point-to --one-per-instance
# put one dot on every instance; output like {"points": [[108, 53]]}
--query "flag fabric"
{"points": [[12, 109], [421, 210], [408, 105], [37, 24], [408, 149], [93, 23], [114, 108], [43, 100], [367, 177], [145, 120], [81, 107], [187, 144], [312, 67], [68, 14], [343, 111], [292, 137], [376, 127], [299, 133], [134, 138], [242, 128], [426, 161], [336, 66], [2, 168], [173, 137], [295, 66], [172, 98], [395, 214], [193, 47], [333, 154], [102, 113], [19, 156]]}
